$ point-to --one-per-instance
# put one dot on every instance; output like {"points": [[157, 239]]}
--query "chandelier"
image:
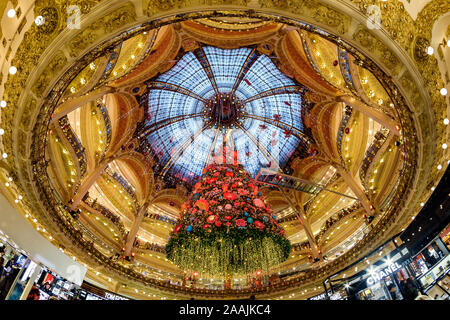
{"points": [[226, 227]]}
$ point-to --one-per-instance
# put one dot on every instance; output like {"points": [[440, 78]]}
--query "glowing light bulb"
{"points": [[3, 103], [11, 13], [443, 91], [430, 50], [12, 70]]}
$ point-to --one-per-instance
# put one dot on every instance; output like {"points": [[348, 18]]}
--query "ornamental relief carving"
{"points": [[332, 18], [101, 27], [377, 48], [46, 77]]}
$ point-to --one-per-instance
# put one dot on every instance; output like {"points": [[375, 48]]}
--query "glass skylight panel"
{"points": [[164, 104], [225, 65], [191, 163], [262, 76], [287, 106], [250, 156], [187, 69]]}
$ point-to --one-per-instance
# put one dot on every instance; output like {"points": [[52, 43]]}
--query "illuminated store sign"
{"points": [[377, 275], [322, 296], [111, 296]]}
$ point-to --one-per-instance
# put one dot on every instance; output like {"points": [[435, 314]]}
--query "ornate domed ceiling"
{"points": [[114, 125]]}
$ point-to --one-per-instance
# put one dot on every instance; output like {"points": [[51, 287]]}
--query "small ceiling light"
{"points": [[422, 204], [2, 131], [40, 20], [432, 188], [12, 70], [444, 146], [430, 50], [3, 104], [4, 155], [443, 91], [446, 121], [448, 43], [11, 13], [439, 167]]}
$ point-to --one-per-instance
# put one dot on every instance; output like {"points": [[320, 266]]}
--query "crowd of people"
{"points": [[8, 272]]}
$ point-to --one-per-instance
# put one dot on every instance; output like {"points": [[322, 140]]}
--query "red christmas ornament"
{"points": [[177, 228], [227, 217], [335, 63], [241, 223], [212, 180], [347, 130], [218, 223], [259, 225], [212, 219], [258, 202]]}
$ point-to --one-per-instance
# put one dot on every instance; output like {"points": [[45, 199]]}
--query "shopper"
{"points": [[2, 262], [34, 294], [47, 288], [410, 290], [12, 269]]}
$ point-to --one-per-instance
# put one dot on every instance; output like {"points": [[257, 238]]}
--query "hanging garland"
{"points": [[226, 227]]}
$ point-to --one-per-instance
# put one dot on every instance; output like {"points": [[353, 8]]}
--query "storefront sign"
{"points": [[111, 296], [322, 296], [382, 273]]}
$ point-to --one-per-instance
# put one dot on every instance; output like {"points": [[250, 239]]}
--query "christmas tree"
{"points": [[226, 227]]}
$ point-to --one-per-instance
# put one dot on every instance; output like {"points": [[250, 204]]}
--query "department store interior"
{"points": [[224, 150]]}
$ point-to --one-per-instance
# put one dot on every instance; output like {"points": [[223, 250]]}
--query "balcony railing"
{"points": [[75, 144], [378, 141]]}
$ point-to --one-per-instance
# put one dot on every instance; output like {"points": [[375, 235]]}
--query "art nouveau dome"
{"points": [[188, 103]]}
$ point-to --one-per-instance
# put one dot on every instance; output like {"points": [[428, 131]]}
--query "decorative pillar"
{"points": [[135, 228], [304, 221], [357, 190], [30, 283], [88, 183], [72, 104], [372, 113]]}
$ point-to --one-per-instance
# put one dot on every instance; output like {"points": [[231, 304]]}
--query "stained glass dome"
{"points": [[212, 94]]}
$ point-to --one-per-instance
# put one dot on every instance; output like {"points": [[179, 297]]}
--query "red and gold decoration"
{"points": [[226, 227]]}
